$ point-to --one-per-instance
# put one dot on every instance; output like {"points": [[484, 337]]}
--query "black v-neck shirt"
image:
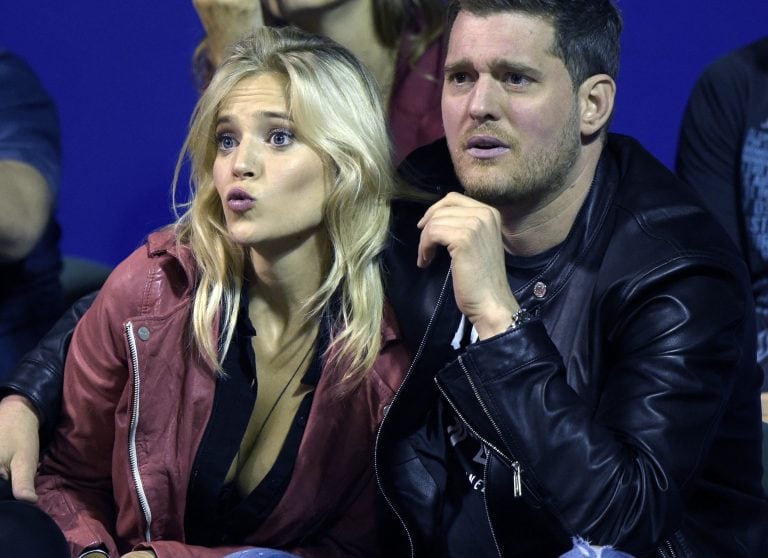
{"points": [[216, 514]]}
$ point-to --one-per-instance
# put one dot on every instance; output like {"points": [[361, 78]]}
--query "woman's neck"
{"points": [[282, 283]]}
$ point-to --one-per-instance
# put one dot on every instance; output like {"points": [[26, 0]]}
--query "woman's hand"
{"points": [[227, 21]]}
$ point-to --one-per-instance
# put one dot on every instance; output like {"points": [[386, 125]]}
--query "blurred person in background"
{"points": [[400, 41], [30, 262], [723, 154]]}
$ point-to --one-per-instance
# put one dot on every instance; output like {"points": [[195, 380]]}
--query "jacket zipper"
{"points": [[485, 506], [138, 485], [518, 474], [416, 358], [667, 546], [514, 464], [518, 470]]}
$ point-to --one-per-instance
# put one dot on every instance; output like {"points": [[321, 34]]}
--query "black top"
{"points": [[723, 155], [216, 514], [464, 524]]}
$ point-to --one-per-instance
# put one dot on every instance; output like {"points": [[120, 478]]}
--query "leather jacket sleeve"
{"points": [[39, 374], [610, 465], [75, 478]]}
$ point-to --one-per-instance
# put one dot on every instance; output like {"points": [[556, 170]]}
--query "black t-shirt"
{"points": [[723, 154], [465, 529]]}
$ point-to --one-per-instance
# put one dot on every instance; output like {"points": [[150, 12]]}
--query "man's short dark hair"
{"points": [[587, 32]]}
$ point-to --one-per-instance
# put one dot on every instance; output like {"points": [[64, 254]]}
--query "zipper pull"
{"points": [[517, 490]]}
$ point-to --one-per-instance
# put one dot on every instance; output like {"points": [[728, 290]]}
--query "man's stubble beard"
{"points": [[537, 176]]}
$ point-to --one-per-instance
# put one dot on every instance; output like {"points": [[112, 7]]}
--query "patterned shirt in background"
{"points": [[723, 154]]}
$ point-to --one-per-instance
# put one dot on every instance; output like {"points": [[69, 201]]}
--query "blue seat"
{"points": [[765, 456], [80, 276]]}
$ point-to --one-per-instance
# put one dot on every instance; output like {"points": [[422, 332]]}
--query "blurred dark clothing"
{"points": [[723, 154], [30, 292], [26, 530], [414, 108]]}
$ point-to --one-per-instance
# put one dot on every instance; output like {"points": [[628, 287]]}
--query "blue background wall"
{"points": [[120, 73]]}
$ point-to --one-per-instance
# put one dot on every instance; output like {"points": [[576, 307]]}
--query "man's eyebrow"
{"points": [[459, 65], [505, 66], [499, 65]]}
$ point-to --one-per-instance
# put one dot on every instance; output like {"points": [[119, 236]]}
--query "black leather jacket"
{"points": [[628, 413]]}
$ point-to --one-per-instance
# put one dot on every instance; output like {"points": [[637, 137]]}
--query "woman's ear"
{"points": [[596, 96]]}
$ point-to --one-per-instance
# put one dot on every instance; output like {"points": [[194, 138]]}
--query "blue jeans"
{"points": [[582, 549]]}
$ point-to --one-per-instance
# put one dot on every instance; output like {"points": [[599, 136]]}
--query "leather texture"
{"points": [[631, 404], [87, 482]]}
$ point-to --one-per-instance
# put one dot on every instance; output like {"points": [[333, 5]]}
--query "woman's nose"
{"points": [[247, 163]]}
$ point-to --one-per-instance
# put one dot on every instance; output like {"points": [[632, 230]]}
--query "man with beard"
{"points": [[582, 330], [584, 342]]}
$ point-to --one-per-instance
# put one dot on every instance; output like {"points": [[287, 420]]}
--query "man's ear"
{"points": [[596, 96]]}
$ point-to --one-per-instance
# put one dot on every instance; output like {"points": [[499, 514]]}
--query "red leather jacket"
{"points": [[119, 467]]}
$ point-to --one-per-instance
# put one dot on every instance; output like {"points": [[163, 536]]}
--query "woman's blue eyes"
{"points": [[225, 141], [279, 137]]}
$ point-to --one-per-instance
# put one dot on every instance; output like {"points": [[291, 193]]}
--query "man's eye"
{"points": [[459, 78], [281, 138], [517, 79]]}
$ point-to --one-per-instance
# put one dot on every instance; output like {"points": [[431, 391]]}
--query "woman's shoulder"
{"points": [[159, 267]]}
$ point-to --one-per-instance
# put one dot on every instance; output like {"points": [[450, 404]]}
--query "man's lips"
{"points": [[238, 200], [486, 147]]}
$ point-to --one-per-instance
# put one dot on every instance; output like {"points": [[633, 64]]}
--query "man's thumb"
{"points": [[23, 470]]}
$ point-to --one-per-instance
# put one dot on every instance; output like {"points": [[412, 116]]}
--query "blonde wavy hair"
{"points": [[335, 105]]}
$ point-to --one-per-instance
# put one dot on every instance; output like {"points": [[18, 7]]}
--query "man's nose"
{"points": [[484, 102]]}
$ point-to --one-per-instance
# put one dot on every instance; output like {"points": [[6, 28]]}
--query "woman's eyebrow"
{"points": [[226, 118]]}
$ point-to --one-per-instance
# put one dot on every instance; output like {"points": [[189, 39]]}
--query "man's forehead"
{"points": [[511, 37]]}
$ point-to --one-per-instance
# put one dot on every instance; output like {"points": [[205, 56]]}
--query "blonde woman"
{"points": [[224, 390]]}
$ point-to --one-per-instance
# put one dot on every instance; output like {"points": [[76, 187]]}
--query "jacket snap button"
{"points": [[540, 289], [143, 333]]}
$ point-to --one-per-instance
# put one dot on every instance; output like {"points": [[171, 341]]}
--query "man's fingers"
{"points": [[426, 252], [453, 200], [23, 468], [444, 230], [19, 449]]}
